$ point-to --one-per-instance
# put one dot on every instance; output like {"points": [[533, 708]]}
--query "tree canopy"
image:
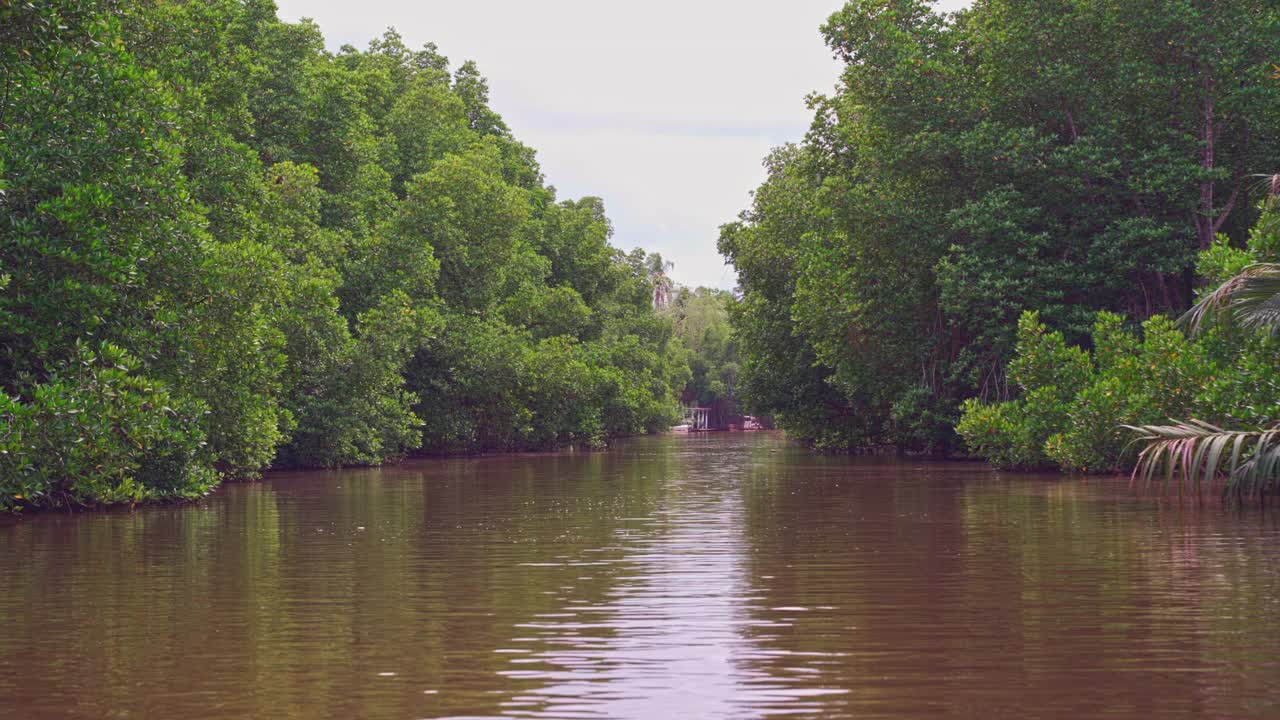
{"points": [[1059, 156], [226, 249]]}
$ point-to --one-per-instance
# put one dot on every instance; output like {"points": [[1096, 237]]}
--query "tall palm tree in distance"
{"points": [[663, 285]]}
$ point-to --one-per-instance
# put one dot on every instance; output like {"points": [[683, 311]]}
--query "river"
{"points": [[714, 576]]}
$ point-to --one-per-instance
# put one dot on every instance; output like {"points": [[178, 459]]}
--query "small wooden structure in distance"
{"points": [[720, 416], [699, 419]]}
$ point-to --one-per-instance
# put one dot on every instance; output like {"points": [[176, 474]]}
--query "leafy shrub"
{"points": [[922, 421], [559, 390], [1074, 406], [991, 431], [1092, 439], [1045, 361], [99, 433], [1139, 381], [1049, 372], [1221, 262], [1243, 389]]}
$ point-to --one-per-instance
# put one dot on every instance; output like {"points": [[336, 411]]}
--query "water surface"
{"points": [[719, 576]]}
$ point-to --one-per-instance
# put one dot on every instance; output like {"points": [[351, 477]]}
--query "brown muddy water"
{"points": [[716, 576]]}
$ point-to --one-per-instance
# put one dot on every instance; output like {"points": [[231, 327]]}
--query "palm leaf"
{"points": [[1196, 454], [1251, 299]]}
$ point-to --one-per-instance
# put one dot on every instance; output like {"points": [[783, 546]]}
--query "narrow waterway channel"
{"points": [[717, 576]]}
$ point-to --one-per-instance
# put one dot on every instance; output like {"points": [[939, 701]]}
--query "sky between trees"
{"points": [[665, 109]]}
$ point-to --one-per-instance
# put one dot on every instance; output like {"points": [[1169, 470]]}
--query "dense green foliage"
{"points": [[224, 248], [1245, 449], [1065, 157], [702, 323], [1073, 405]]}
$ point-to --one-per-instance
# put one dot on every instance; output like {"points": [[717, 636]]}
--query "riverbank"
{"points": [[16, 507]]}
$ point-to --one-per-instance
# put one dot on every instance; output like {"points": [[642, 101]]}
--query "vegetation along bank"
{"points": [[225, 249], [983, 240]]}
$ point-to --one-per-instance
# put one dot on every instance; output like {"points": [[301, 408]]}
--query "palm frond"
{"points": [[1250, 299], [1195, 454], [1267, 185]]}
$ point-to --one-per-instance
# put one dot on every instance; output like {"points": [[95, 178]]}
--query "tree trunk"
{"points": [[1205, 225]]}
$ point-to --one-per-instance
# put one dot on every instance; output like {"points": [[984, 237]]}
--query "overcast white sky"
{"points": [[663, 108]]}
